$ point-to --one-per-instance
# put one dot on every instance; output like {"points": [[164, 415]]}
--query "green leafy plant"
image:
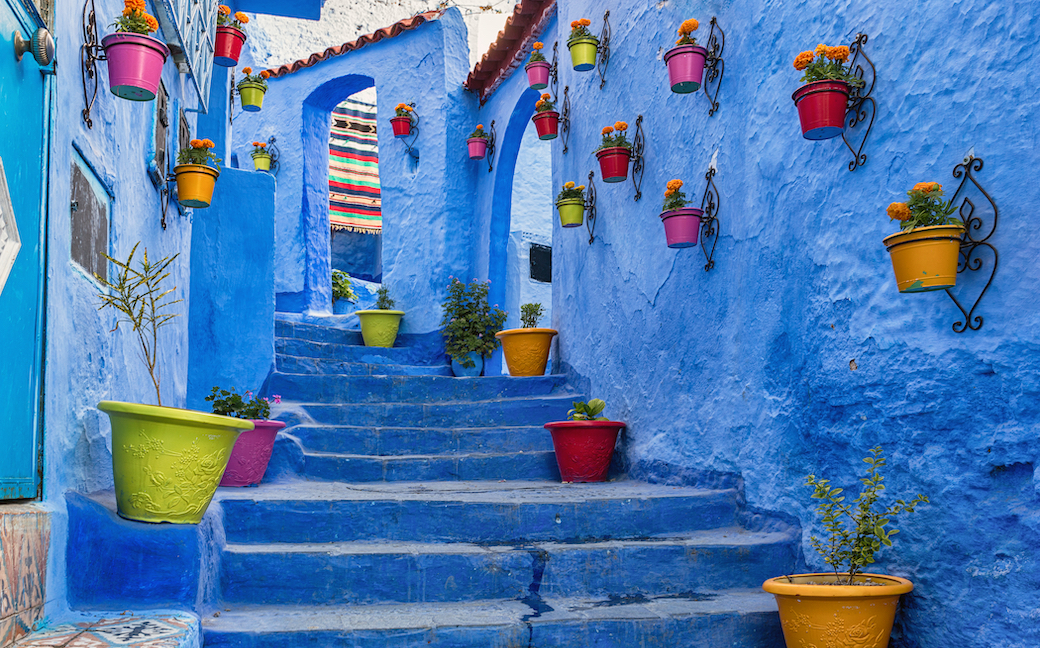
{"points": [[673, 198], [383, 299], [530, 314], [544, 104], [587, 411], [479, 132], [536, 53], [860, 528], [139, 296], [198, 152], [614, 136], [342, 288], [260, 148], [244, 406], [404, 110], [826, 64], [469, 322], [571, 191], [924, 208]]}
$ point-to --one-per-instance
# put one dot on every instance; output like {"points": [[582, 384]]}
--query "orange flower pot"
{"points": [[195, 184], [526, 350], [925, 258]]}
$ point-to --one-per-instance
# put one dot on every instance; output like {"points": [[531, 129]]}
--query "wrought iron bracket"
{"points": [[276, 154], [410, 146], [164, 197], [554, 72], [861, 103], [89, 55], [714, 66], [638, 161], [590, 208], [490, 153], [970, 243], [603, 51], [231, 98], [710, 218], [565, 119]]}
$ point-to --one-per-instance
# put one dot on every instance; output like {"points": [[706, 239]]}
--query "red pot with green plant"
{"points": [[682, 224], [546, 119], [402, 121], [686, 60], [926, 251], [584, 444], [822, 101], [614, 153], [477, 143], [227, 47], [537, 68], [470, 325], [252, 451]]}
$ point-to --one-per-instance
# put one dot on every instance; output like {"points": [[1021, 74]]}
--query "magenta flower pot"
{"points": [[821, 108], [682, 227], [477, 147], [135, 63], [252, 451], [685, 67], [538, 75]]}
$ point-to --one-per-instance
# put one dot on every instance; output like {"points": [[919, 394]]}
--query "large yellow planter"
{"points": [[195, 184], [167, 462], [837, 616], [925, 258], [379, 327], [526, 350]]}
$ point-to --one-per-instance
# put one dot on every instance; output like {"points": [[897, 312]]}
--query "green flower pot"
{"points": [[261, 161], [572, 211], [252, 95], [583, 53], [166, 461], [379, 327]]}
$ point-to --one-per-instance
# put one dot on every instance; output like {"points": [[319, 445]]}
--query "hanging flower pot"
{"points": [[926, 253], [537, 68], [585, 444], [261, 161], [477, 143], [682, 227], [546, 120], [822, 101], [135, 63], [686, 61], [402, 126], [252, 88], [570, 202], [195, 177], [613, 163], [582, 45], [227, 47]]}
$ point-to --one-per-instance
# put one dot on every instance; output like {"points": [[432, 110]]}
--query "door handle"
{"points": [[41, 45]]}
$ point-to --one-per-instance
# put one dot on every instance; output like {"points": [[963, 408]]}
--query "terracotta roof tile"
{"points": [[387, 32], [511, 48]]}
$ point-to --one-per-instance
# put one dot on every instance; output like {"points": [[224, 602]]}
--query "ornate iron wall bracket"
{"points": [[714, 66], [276, 155], [590, 208], [970, 244], [90, 54], [554, 72], [410, 146], [565, 119], [861, 104], [603, 51], [490, 153], [638, 162], [164, 197], [710, 219]]}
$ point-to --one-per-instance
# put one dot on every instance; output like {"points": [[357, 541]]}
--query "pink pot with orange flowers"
{"points": [[686, 60], [537, 69], [135, 59]]}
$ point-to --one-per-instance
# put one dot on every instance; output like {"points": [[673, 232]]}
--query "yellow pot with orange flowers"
{"points": [[685, 61], [583, 45], [252, 88], [546, 119], [926, 252], [227, 47], [197, 171], [135, 59], [537, 68], [614, 153], [822, 101], [261, 156]]}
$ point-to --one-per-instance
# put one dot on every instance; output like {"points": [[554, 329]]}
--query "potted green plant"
{"points": [[823, 98], [614, 153], [682, 224], [403, 120], [845, 607], [470, 324], [477, 143], [227, 46], [546, 119], [252, 450], [526, 349], [166, 462], [926, 251], [582, 45], [252, 88], [537, 68], [135, 59], [570, 202], [342, 291], [379, 325], [197, 171], [584, 444], [261, 156]]}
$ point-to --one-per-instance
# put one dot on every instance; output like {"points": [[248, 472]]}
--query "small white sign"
{"points": [[10, 242]]}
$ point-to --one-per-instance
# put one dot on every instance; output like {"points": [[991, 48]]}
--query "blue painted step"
{"points": [[401, 355], [411, 389], [302, 365], [476, 512], [339, 574], [395, 441], [727, 618], [462, 467]]}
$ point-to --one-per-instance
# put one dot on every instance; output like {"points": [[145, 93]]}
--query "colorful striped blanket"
{"points": [[354, 203]]}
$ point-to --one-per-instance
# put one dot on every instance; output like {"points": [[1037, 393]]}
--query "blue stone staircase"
{"points": [[410, 508]]}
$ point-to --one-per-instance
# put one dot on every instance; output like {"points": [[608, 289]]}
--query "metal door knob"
{"points": [[41, 45]]}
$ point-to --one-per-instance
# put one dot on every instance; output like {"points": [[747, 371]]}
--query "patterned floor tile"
{"points": [[133, 631]]}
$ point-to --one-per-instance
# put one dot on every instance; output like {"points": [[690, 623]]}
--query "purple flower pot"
{"points": [[685, 67], [477, 147], [252, 451], [135, 63], [682, 227], [538, 75]]}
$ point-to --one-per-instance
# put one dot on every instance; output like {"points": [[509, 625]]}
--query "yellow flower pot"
{"points": [[261, 161], [252, 95], [195, 184], [583, 53], [379, 327], [845, 616], [925, 258], [526, 350]]}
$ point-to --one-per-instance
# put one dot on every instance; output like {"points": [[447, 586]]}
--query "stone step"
{"points": [[412, 389], [303, 365], [399, 355], [461, 467], [396, 441], [730, 618], [409, 572], [479, 512]]}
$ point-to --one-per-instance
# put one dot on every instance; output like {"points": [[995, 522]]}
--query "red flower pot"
{"points": [[821, 108], [252, 451], [682, 227], [613, 163], [538, 75], [402, 126], [547, 123], [584, 448], [228, 46], [685, 67], [477, 147]]}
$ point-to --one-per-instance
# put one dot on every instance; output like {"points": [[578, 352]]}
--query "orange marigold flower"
{"points": [[208, 143], [537, 46], [898, 211], [247, 70], [256, 143], [266, 75], [545, 95], [262, 144], [689, 26], [803, 60], [241, 17], [224, 10], [195, 143], [568, 185], [538, 104], [839, 53], [927, 187], [128, 11], [574, 24], [607, 130], [134, 4], [674, 184], [821, 50], [668, 192], [581, 187], [620, 126], [153, 24], [408, 108], [585, 22], [480, 126]]}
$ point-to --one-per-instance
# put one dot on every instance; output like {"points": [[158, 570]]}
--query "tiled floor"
{"points": [[24, 539], [158, 630]]}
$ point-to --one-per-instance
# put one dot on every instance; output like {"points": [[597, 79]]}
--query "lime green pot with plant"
{"points": [[570, 202], [470, 324], [379, 325], [252, 88], [166, 462], [845, 607], [582, 45], [526, 349]]}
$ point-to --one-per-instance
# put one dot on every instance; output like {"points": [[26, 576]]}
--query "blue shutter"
{"points": [[190, 27]]}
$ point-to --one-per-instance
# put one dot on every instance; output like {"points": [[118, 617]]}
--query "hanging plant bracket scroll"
{"points": [[710, 219], [971, 243], [861, 104], [714, 65]]}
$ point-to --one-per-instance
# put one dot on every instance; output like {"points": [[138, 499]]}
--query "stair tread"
{"points": [[422, 457], [563, 397]]}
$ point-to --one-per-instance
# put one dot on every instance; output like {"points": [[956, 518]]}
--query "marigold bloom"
{"points": [[134, 4], [480, 126], [262, 144], [247, 70], [195, 143], [537, 46], [538, 105], [620, 126], [839, 53], [208, 143], [803, 60], [668, 192], [568, 185], [406, 107], [674, 184], [607, 130], [927, 187], [545, 95], [153, 24], [128, 11], [689, 26], [584, 22], [574, 24], [266, 75], [581, 187], [241, 17], [898, 211], [821, 50], [223, 10], [256, 143]]}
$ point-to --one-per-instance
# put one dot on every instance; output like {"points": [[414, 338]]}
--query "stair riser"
{"points": [[300, 365], [540, 465], [413, 389], [532, 412], [401, 355], [247, 521], [409, 441], [321, 579]]}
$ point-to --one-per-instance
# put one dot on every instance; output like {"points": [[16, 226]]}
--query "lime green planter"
{"points": [[583, 53], [166, 461], [252, 95], [379, 327], [572, 211], [261, 161]]}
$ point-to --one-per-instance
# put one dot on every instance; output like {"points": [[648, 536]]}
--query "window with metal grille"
{"points": [[541, 262]]}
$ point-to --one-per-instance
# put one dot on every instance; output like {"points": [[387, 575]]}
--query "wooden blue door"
{"points": [[23, 108]]}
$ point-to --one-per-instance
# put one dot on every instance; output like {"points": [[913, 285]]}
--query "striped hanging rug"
{"points": [[354, 202]]}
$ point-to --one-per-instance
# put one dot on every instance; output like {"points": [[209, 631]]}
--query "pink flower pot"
{"points": [[538, 75], [584, 448], [135, 63], [613, 163], [685, 67], [402, 126], [477, 147], [682, 227], [227, 47], [821, 108], [252, 451], [547, 123]]}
